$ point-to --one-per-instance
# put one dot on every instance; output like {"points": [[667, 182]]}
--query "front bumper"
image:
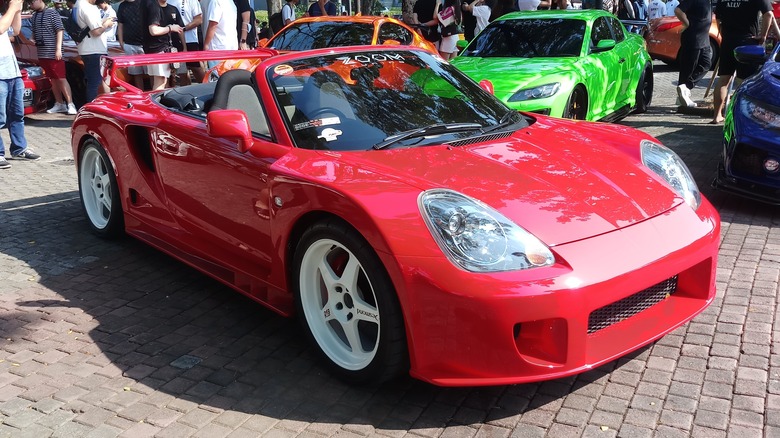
{"points": [[746, 148], [494, 329]]}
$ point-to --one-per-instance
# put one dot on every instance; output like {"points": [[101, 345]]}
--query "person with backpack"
{"points": [[48, 31], [288, 13], [94, 46], [448, 15]]}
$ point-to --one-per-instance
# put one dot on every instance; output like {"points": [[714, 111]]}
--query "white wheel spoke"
{"points": [[353, 336], [98, 171], [328, 276], [327, 312], [365, 311], [349, 277]]}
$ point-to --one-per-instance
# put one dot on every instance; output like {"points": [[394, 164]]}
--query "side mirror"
{"points": [[486, 85], [461, 45], [754, 55], [232, 125], [604, 45]]}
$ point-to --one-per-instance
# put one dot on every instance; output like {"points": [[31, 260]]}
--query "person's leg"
{"points": [[719, 97], [4, 85], [92, 75], [703, 64], [15, 117], [688, 58]]}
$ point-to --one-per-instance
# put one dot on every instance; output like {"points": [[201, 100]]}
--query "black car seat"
{"points": [[236, 90]]}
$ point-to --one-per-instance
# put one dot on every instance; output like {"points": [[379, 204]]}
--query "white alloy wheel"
{"points": [[339, 304], [98, 189]]}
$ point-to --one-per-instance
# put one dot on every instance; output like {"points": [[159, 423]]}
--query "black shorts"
{"points": [[729, 64], [193, 47]]}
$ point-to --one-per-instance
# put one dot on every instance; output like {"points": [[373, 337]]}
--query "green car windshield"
{"points": [[318, 35], [529, 38]]}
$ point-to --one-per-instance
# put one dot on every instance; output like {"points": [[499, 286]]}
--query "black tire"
{"points": [[644, 90], [74, 73], [99, 192], [363, 305], [577, 105], [715, 52]]}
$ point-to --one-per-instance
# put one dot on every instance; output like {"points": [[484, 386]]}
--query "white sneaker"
{"points": [[71, 109], [57, 108], [684, 96]]}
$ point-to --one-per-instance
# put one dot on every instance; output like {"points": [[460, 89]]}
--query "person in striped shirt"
{"points": [[48, 33]]}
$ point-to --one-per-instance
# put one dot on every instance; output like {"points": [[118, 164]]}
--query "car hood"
{"points": [[765, 86], [560, 185], [509, 74]]}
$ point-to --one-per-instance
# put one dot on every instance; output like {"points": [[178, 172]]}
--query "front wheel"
{"points": [[348, 305], [577, 106], [644, 90], [99, 191]]}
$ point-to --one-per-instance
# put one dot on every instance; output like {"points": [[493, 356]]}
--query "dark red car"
{"points": [[37, 88]]}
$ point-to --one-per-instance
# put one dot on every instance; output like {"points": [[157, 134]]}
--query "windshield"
{"points": [[322, 34], [356, 101], [529, 38]]}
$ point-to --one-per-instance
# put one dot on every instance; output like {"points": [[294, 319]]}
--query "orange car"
{"points": [[332, 31], [663, 37]]}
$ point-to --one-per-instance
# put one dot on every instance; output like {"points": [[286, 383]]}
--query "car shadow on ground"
{"points": [[125, 321]]}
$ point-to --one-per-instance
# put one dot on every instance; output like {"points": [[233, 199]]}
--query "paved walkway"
{"points": [[103, 339]]}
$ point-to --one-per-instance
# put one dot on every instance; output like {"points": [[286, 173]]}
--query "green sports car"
{"points": [[579, 64]]}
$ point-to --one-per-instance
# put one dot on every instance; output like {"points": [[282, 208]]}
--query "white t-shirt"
{"points": [[287, 13], [528, 5], [190, 9], [89, 16], [109, 12], [482, 14], [656, 9], [9, 68], [671, 5], [224, 13]]}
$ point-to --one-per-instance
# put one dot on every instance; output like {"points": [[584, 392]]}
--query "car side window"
{"points": [[617, 29], [392, 31], [600, 31]]}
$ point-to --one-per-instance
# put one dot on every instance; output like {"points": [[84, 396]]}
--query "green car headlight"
{"points": [[478, 238], [540, 92], [765, 115], [672, 169]]}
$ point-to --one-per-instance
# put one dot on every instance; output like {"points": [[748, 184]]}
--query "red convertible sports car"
{"points": [[412, 221]]}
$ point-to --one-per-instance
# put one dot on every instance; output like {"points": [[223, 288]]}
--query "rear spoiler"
{"points": [[114, 67]]}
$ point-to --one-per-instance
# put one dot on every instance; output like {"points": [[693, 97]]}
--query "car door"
{"points": [[603, 86], [218, 195], [626, 58]]}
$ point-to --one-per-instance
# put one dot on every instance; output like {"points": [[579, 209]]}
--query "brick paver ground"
{"points": [[104, 339]]}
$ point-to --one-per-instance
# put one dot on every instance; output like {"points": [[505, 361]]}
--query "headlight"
{"points": [[539, 92], [672, 169], [478, 238], [765, 115]]}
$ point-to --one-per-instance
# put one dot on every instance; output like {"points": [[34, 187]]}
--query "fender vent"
{"points": [[629, 306]]}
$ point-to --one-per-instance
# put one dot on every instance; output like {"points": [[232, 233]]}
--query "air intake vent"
{"points": [[631, 305], [481, 138]]}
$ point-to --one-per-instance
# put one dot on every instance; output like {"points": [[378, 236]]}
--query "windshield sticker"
{"points": [[315, 123], [370, 59], [329, 134], [283, 69]]}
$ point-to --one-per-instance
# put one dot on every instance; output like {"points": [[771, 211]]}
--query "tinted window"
{"points": [[317, 35], [600, 31], [529, 38], [392, 31], [617, 29]]}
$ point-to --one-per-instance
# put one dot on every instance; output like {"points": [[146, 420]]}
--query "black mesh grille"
{"points": [[748, 160], [481, 138], [631, 305]]}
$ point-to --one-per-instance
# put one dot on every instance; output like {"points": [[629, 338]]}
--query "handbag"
{"points": [[452, 29], [446, 17]]}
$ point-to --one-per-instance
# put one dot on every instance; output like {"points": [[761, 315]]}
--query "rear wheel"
{"points": [[348, 305], [644, 90], [577, 106], [715, 52], [99, 191]]}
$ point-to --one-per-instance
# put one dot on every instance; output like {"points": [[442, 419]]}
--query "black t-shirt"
{"points": [[740, 18], [161, 16], [699, 13], [241, 7], [129, 15], [424, 10]]}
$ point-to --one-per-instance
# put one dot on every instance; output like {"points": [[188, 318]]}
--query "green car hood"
{"points": [[511, 74]]}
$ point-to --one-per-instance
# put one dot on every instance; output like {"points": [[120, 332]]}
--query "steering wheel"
{"points": [[325, 110]]}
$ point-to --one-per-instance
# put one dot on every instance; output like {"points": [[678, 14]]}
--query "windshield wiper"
{"points": [[435, 129], [506, 120]]}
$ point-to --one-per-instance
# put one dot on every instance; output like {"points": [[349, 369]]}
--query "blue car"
{"points": [[750, 165]]}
